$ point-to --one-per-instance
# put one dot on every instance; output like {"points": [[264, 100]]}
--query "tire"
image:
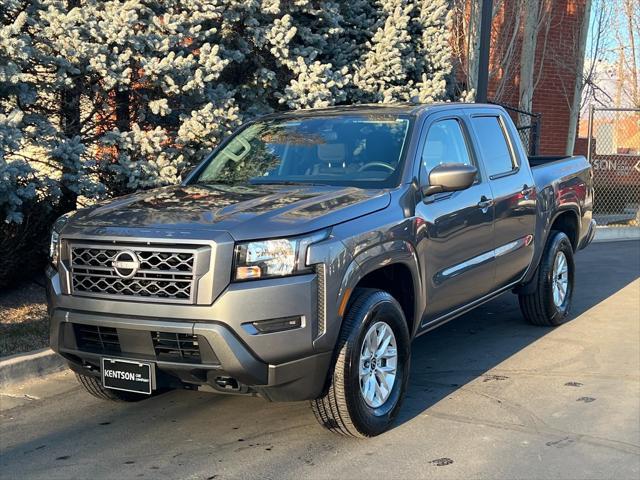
{"points": [[343, 409], [540, 307], [95, 388]]}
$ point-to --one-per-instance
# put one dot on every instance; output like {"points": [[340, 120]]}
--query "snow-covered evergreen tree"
{"points": [[21, 131], [408, 57], [431, 28], [108, 96]]}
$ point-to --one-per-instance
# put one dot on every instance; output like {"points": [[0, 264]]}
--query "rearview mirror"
{"points": [[450, 177]]}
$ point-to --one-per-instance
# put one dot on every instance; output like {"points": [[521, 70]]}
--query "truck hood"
{"points": [[245, 212]]}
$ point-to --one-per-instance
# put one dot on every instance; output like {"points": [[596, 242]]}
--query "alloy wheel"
{"points": [[378, 364]]}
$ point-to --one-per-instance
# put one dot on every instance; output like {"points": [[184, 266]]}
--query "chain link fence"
{"points": [[614, 153]]}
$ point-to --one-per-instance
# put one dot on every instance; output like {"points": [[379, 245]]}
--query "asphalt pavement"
{"points": [[490, 397]]}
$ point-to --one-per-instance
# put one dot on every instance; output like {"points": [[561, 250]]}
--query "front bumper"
{"points": [[280, 366]]}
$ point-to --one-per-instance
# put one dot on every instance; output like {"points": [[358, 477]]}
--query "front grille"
{"points": [[176, 347], [167, 346], [91, 338], [164, 274]]}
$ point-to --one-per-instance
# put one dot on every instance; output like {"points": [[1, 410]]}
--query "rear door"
{"points": [[455, 230], [513, 191]]}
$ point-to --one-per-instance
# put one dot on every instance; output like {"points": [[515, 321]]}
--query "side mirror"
{"points": [[450, 177]]}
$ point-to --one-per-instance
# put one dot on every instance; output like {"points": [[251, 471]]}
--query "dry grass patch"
{"points": [[24, 325]]}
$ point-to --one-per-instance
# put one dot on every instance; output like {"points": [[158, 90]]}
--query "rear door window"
{"points": [[493, 146]]}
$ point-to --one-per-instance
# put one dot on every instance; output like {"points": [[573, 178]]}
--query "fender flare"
{"points": [[378, 256], [530, 278]]}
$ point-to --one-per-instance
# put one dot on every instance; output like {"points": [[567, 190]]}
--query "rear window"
{"points": [[494, 148]]}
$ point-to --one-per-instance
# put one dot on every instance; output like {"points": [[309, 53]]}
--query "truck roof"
{"points": [[378, 108]]}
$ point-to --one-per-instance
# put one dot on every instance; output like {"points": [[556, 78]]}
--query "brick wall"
{"points": [[555, 65], [554, 93]]}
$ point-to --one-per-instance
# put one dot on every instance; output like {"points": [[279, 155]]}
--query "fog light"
{"points": [[273, 326]]}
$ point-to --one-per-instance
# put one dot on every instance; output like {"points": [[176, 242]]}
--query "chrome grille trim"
{"points": [[166, 273]]}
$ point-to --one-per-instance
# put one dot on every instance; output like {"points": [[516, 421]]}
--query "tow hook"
{"points": [[228, 383]]}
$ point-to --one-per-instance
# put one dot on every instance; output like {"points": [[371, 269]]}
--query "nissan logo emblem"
{"points": [[126, 264]]}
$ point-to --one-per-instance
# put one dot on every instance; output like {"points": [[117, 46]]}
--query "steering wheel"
{"points": [[369, 165]]}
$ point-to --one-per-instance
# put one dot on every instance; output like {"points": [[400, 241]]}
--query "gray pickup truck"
{"points": [[301, 258]]}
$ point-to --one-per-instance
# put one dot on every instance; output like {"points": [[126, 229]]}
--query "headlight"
{"points": [[54, 244], [273, 258]]}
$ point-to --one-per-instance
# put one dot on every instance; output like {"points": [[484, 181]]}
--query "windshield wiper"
{"points": [[285, 182], [216, 182]]}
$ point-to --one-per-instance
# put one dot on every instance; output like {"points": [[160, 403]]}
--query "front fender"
{"points": [[357, 248], [390, 253], [380, 256]]}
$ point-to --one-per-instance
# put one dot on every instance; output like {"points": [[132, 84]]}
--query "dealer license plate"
{"points": [[126, 375]]}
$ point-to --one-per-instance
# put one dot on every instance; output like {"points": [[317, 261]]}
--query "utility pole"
{"points": [[485, 42]]}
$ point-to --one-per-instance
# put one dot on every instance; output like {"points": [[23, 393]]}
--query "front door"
{"points": [[455, 235]]}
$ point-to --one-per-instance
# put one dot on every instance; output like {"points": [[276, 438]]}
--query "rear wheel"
{"points": [[370, 374], [94, 386], [550, 302]]}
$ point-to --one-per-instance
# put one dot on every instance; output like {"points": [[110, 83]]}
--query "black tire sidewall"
{"points": [[378, 306], [94, 386], [559, 242]]}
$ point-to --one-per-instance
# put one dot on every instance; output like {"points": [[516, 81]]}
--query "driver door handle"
{"points": [[485, 203]]}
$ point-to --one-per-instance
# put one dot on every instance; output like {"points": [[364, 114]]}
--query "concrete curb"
{"points": [[615, 234], [24, 366]]}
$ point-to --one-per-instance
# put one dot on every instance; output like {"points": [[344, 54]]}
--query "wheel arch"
{"points": [[389, 267], [567, 222]]}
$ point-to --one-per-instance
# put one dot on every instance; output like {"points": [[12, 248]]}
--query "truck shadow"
{"points": [[464, 350]]}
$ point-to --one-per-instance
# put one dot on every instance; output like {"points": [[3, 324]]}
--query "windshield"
{"points": [[363, 151]]}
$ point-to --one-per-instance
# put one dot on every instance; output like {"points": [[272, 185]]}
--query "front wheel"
{"points": [[370, 374], [550, 302], [94, 386]]}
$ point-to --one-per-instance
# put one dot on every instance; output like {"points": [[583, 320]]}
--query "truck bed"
{"points": [[560, 172], [564, 184], [537, 160]]}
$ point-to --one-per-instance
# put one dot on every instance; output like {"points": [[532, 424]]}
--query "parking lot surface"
{"points": [[490, 397]]}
